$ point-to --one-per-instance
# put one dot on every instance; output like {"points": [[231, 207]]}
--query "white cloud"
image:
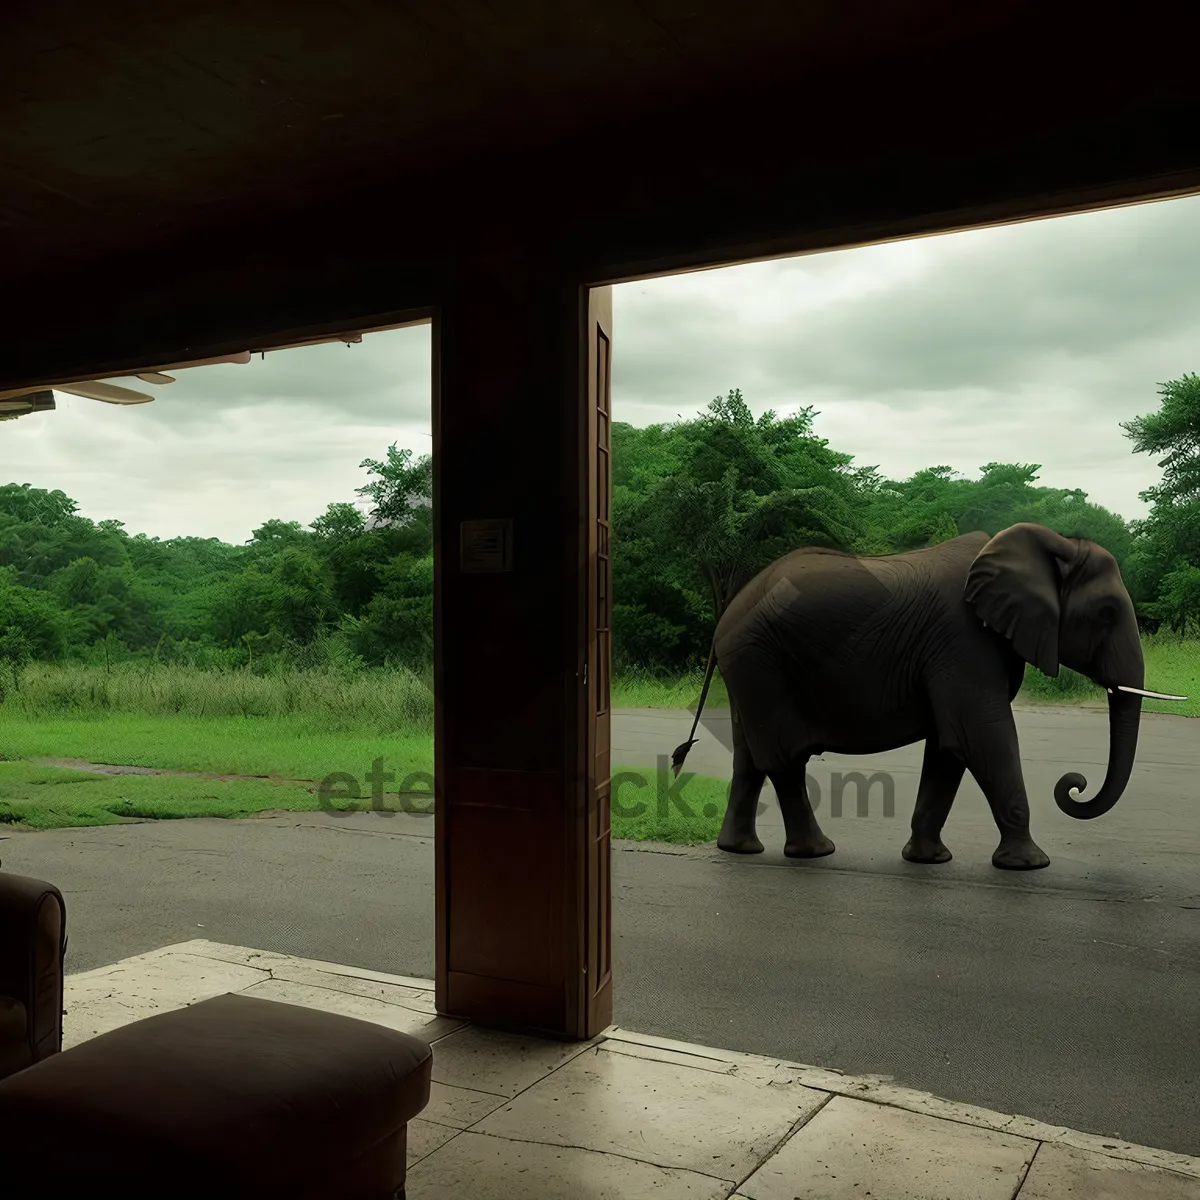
{"points": [[225, 448]]}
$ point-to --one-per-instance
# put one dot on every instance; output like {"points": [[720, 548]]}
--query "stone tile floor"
{"points": [[625, 1115]]}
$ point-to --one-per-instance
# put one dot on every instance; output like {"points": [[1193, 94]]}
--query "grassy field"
{"points": [[37, 797], [291, 731], [47, 797], [300, 748], [1172, 666], [364, 702]]}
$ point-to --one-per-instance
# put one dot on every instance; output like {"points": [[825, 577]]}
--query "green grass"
{"points": [[286, 749], [388, 703], [645, 808], [307, 726], [53, 798], [637, 689], [40, 797], [382, 701], [1172, 665], [304, 727]]}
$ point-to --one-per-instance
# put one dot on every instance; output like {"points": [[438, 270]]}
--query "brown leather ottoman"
{"points": [[231, 1097]]}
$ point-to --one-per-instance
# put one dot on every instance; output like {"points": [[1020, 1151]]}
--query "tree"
{"points": [[339, 523], [275, 534], [1178, 602], [402, 490], [702, 505], [944, 529], [937, 503], [30, 505], [1174, 431], [1168, 540], [289, 594], [280, 593], [32, 626], [397, 626]]}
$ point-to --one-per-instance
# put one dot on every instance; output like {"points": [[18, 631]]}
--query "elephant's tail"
{"points": [[681, 751]]}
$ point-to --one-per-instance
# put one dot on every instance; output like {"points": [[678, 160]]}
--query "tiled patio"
{"points": [[630, 1116]]}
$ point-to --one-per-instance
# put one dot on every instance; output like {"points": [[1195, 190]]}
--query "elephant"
{"points": [[829, 652]]}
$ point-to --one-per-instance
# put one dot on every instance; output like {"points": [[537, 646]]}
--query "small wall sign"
{"points": [[485, 547]]}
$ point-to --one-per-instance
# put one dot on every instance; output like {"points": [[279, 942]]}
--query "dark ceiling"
{"points": [[163, 161], [127, 121]]}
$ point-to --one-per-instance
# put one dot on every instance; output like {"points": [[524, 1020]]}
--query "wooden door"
{"points": [[597, 907]]}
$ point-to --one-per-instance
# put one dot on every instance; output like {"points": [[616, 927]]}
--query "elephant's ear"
{"points": [[1014, 585]]}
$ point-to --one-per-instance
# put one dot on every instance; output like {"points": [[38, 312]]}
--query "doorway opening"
{"points": [[218, 606], [887, 400]]}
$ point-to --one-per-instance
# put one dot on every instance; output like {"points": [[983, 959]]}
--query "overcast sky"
{"points": [[1026, 343]]}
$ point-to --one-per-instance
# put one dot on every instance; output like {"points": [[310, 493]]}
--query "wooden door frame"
{"points": [[592, 765]]}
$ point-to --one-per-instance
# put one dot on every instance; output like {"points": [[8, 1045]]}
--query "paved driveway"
{"points": [[1150, 840], [1071, 994]]}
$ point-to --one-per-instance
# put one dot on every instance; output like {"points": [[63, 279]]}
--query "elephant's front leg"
{"points": [[738, 834], [941, 774], [994, 759]]}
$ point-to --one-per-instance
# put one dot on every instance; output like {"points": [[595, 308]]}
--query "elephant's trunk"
{"points": [[1124, 714]]}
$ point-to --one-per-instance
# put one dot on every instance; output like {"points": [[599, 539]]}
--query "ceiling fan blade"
{"points": [[242, 357], [108, 392]]}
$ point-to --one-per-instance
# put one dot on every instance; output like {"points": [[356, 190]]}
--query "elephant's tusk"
{"points": [[1142, 692]]}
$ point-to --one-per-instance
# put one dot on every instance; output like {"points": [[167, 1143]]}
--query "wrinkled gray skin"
{"points": [[827, 652]]}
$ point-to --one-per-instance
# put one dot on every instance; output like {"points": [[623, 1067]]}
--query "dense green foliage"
{"points": [[698, 507], [701, 505], [1166, 565], [343, 591]]}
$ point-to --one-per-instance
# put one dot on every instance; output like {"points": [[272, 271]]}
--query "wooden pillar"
{"points": [[522, 650]]}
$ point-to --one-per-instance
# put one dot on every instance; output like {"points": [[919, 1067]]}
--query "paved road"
{"points": [[1071, 994]]}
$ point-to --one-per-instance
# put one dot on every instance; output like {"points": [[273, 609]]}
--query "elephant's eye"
{"points": [[1108, 613]]}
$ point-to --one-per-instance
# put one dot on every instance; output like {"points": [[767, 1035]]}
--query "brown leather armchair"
{"points": [[33, 946]]}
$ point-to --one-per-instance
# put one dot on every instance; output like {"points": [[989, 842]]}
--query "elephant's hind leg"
{"points": [[738, 834], [804, 836], [941, 774]]}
